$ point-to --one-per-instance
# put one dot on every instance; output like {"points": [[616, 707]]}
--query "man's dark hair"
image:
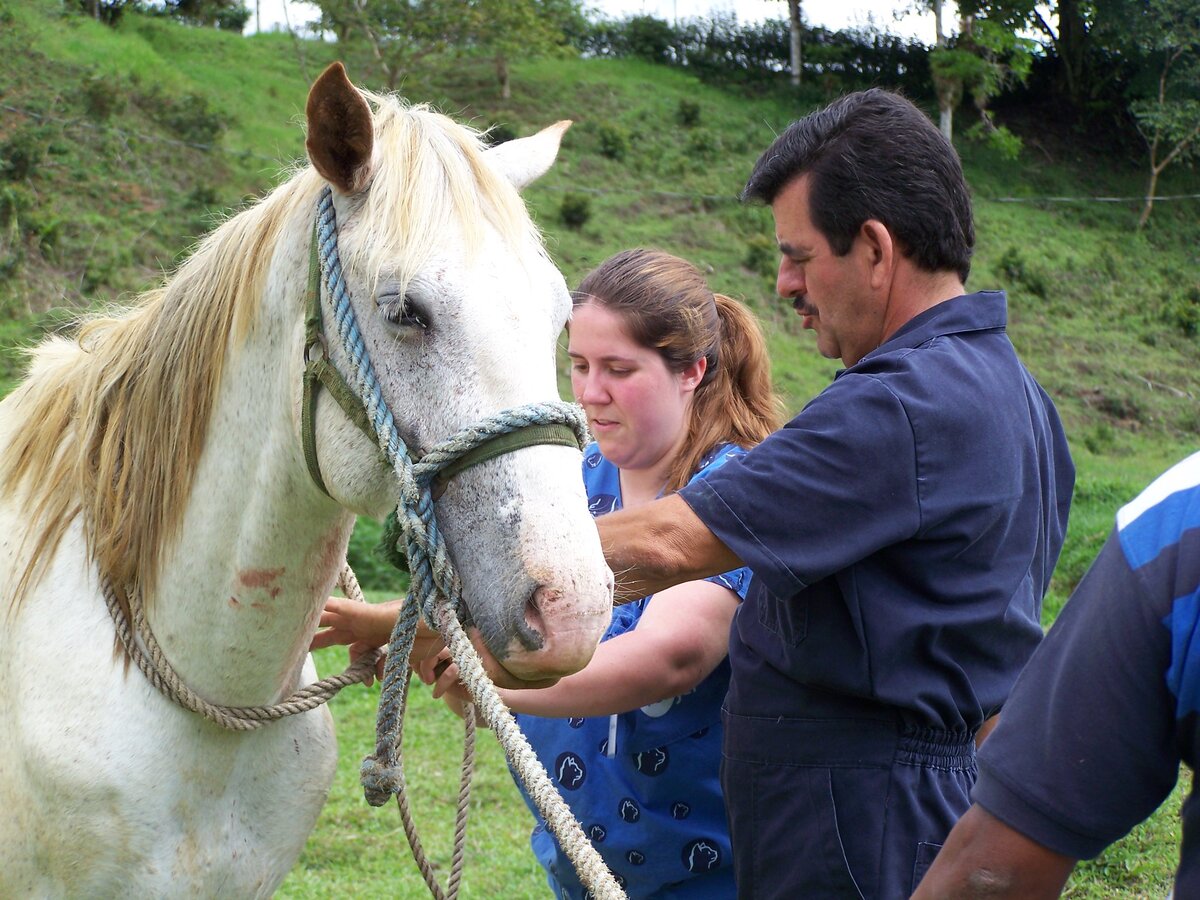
{"points": [[873, 155]]}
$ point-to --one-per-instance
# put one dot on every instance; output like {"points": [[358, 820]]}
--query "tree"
{"points": [[402, 34], [947, 82], [1069, 29], [228, 15], [107, 11], [1168, 32], [508, 29], [796, 59], [398, 34], [982, 59]]}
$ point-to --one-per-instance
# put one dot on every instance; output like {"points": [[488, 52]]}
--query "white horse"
{"points": [[160, 453]]}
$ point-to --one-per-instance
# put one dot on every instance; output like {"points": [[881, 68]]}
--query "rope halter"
{"points": [[514, 429], [435, 590]]}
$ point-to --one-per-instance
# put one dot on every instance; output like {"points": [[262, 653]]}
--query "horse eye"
{"points": [[402, 310]]}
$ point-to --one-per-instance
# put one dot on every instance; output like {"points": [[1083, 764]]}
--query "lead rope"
{"points": [[147, 655], [435, 587]]}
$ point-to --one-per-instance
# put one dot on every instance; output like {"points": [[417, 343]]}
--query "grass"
{"points": [[137, 139], [359, 851]]}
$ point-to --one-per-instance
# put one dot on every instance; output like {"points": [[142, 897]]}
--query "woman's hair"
{"points": [[667, 306]]}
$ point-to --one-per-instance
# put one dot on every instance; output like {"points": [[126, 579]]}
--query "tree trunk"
{"points": [[797, 60], [946, 92], [1072, 47], [502, 76], [1151, 188]]}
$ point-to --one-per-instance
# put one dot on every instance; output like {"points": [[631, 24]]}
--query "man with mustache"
{"points": [[902, 529]]}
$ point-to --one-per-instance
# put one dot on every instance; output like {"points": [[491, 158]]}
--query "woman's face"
{"points": [[636, 407]]}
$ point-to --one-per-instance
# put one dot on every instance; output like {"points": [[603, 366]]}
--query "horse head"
{"points": [[458, 308]]}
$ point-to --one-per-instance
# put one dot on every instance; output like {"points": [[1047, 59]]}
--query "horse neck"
{"points": [[260, 548]]}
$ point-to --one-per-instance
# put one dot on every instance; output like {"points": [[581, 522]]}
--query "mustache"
{"points": [[801, 305]]}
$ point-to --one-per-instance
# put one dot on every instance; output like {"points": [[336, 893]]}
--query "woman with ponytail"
{"points": [[675, 382]]}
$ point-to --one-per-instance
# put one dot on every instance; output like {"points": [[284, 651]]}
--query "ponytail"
{"points": [[735, 402]]}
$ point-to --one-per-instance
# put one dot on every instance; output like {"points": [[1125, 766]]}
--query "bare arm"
{"points": [[658, 545], [983, 857], [366, 626], [680, 639]]}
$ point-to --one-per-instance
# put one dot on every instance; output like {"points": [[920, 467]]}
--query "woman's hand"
{"points": [[363, 627]]}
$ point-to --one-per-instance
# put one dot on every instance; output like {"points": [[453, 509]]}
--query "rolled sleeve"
{"points": [[835, 485]]}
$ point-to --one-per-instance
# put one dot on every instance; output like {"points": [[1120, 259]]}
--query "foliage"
{"points": [[229, 15], [397, 34], [688, 113], [612, 139], [107, 11], [719, 49], [575, 210], [401, 35], [1003, 141], [1168, 33], [520, 29]]}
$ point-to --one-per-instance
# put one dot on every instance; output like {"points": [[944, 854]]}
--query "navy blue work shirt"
{"points": [[902, 530]]}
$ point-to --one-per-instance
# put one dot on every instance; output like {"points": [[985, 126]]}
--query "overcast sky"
{"points": [[831, 14]]}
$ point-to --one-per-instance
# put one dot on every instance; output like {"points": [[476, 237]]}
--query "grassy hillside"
{"points": [[119, 147]]}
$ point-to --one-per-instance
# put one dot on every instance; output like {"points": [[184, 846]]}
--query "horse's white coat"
{"points": [[106, 788]]}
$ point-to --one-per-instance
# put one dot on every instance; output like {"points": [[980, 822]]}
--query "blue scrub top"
{"points": [[644, 784], [902, 530]]}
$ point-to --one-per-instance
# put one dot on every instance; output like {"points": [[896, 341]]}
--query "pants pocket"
{"points": [[926, 854], [787, 842]]}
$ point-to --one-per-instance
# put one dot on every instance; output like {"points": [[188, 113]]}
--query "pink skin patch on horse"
{"points": [[259, 579]]}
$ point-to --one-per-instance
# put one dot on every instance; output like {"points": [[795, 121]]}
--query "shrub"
{"points": [[1016, 267], [22, 153], [613, 140], [191, 117], [1182, 310], [575, 210], [688, 114], [102, 98], [761, 255], [649, 38], [703, 144], [499, 134]]}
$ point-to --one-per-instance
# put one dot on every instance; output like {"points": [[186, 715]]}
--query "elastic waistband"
{"points": [[837, 742]]}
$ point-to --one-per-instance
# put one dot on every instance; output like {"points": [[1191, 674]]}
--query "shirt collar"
{"points": [[981, 311]]}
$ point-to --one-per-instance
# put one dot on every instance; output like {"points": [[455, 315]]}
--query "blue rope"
{"points": [[434, 581]]}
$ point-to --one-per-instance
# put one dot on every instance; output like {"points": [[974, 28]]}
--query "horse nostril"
{"points": [[531, 633]]}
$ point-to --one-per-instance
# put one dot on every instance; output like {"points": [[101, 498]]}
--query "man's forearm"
{"points": [[984, 858], [659, 545]]}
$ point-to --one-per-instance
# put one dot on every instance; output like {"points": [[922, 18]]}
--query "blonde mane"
{"points": [[112, 424]]}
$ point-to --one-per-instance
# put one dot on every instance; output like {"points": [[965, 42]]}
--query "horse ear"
{"points": [[524, 160], [340, 133]]}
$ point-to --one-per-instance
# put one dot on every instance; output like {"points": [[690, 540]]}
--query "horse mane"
{"points": [[111, 424]]}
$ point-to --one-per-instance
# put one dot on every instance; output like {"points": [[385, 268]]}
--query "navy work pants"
{"points": [[836, 808]]}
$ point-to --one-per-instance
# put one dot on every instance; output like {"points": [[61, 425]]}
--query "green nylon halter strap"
{"points": [[320, 371], [529, 436]]}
